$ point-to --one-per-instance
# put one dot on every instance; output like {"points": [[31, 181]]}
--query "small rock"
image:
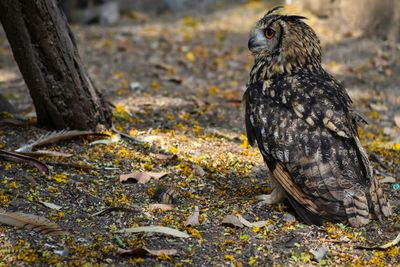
{"points": [[287, 217], [135, 86], [270, 227], [319, 253], [199, 170], [388, 180], [62, 253]]}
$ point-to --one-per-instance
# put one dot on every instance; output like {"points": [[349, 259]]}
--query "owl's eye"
{"points": [[269, 33]]}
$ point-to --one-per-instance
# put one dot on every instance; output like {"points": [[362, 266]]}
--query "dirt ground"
{"points": [[176, 81]]}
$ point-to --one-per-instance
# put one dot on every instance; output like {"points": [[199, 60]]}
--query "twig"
{"points": [[127, 136]]}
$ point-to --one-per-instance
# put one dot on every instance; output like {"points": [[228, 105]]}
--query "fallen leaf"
{"points": [[232, 221], [54, 137], [193, 219], [172, 78], [162, 157], [166, 195], [155, 229], [378, 107], [30, 222], [51, 205], [141, 177], [144, 252], [46, 153], [164, 207], [251, 224], [190, 57], [32, 161], [171, 69]]}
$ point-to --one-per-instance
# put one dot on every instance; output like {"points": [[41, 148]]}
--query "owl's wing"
{"points": [[325, 172], [320, 100], [250, 131]]}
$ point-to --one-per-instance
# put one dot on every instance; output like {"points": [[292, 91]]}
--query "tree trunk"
{"points": [[45, 50]]}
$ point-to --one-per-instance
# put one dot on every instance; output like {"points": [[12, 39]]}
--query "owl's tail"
{"points": [[377, 201], [380, 204]]}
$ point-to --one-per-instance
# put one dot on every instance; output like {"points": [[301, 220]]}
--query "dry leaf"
{"points": [[144, 252], [172, 78], [155, 229], [251, 224], [166, 195], [162, 157], [51, 205], [232, 221], [32, 161], [165, 67], [199, 170], [30, 222], [378, 107], [193, 219], [164, 207], [53, 137], [141, 177]]}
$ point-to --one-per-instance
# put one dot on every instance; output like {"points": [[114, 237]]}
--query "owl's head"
{"points": [[284, 39]]}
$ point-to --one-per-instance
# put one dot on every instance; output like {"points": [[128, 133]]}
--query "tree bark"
{"points": [[45, 50]]}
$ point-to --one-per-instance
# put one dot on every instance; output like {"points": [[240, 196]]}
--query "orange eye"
{"points": [[269, 33]]}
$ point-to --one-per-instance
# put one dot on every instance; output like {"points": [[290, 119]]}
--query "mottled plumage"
{"points": [[305, 128]]}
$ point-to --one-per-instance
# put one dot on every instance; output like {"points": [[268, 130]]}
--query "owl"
{"points": [[306, 129]]}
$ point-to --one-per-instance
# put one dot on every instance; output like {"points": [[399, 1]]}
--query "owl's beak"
{"points": [[256, 41]]}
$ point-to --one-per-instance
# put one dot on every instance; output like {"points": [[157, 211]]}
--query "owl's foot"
{"points": [[277, 196]]}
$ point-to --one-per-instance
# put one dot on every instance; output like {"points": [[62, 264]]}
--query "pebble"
{"points": [[287, 217], [62, 253], [135, 86], [320, 253]]}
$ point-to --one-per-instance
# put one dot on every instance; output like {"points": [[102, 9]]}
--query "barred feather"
{"points": [[306, 129]]}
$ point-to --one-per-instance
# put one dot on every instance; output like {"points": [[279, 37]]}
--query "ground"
{"points": [[176, 81]]}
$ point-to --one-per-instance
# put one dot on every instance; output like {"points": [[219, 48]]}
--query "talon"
{"points": [[277, 196]]}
